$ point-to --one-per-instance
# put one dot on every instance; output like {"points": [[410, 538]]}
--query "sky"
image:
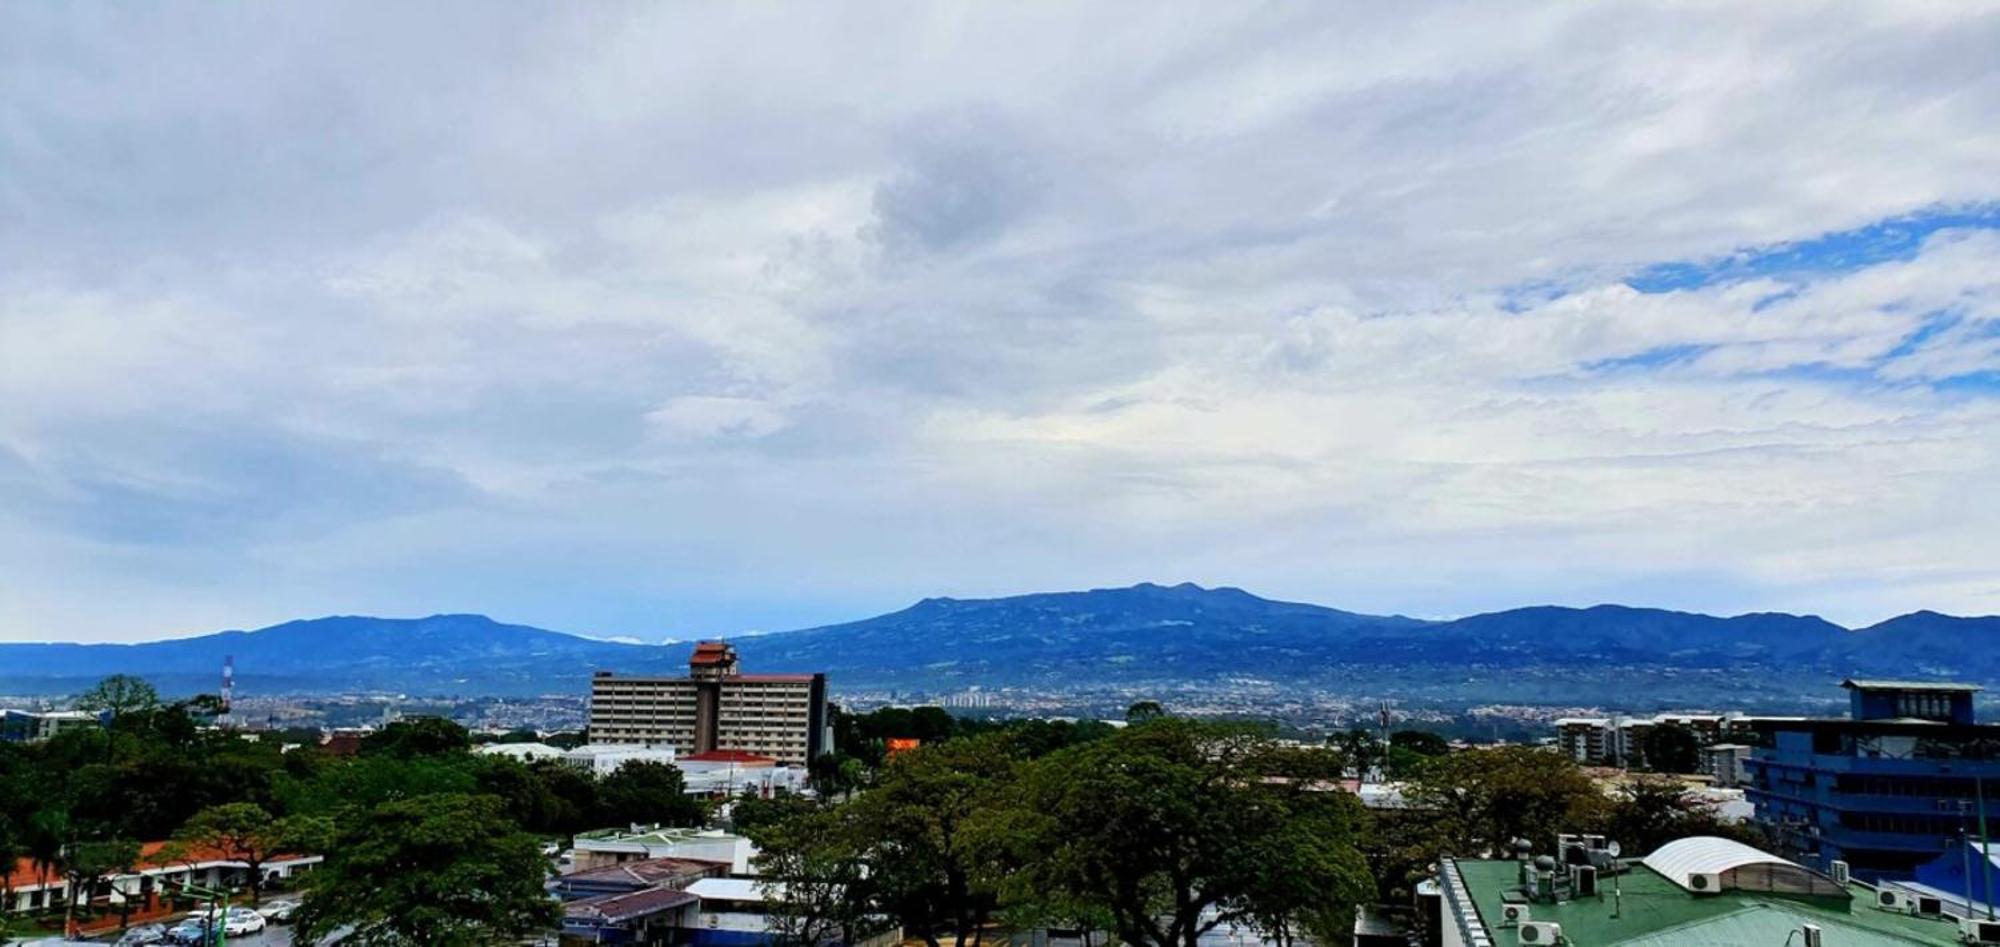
{"points": [[660, 319]]}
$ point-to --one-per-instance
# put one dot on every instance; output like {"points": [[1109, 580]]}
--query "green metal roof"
{"points": [[1655, 912]]}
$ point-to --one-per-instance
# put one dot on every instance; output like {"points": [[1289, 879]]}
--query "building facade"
{"points": [[715, 707], [1882, 789]]}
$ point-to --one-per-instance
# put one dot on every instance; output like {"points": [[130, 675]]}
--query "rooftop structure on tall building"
{"points": [[1882, 790], [715, 707]]}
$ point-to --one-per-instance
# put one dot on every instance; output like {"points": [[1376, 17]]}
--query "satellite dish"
{"points": [[1612, 847]]}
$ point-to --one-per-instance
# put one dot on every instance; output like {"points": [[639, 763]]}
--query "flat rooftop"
{"points": [[1655, 912]]}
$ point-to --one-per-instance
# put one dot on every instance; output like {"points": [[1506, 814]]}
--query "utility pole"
{"points": [[1985, 847]]}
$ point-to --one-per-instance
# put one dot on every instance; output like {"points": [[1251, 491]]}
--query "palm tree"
{"points": [[10, 854], [47, 831]]}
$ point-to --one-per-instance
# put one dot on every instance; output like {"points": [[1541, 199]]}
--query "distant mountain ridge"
{"points": [[1177, 637]]}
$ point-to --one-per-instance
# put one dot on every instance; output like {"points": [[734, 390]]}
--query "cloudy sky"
{"points": [[660, 320]]}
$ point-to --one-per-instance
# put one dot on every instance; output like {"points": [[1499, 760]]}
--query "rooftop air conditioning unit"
{"points": [[1513, 914], [1889, 899], [1812, 938], [1541, 932], [1583, 881], [1705, 882], [1929, 905], [1841, 874], [1972, 930]]}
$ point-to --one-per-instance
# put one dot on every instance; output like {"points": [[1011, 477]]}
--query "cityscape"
{"points": [[964, 474]]}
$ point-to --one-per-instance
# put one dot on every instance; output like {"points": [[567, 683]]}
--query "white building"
{"points": [[605, 758], [523, 752], [607, 848]]}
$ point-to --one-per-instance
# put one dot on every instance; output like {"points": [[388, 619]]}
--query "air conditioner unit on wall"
{"points": [[1541, 932], [1705, 882]]}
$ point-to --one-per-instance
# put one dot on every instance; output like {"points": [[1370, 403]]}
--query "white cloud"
{"points": [[687, 318]]}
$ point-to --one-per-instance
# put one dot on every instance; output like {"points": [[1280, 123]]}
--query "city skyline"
{"points": [[690, 321]]}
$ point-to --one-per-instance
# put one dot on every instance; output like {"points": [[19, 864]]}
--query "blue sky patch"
{"points": [[1897, 238]]}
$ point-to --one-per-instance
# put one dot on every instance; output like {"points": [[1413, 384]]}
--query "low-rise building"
{"points": [[143, 888], [728, 773], [30, 726], [1694, 892], [627, 877], [606, 758], [610, 847], [522, 752]]}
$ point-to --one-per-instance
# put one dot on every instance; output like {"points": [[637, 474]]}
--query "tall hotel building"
{"points": [[715, 707]]}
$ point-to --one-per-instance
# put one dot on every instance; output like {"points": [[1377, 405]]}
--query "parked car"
{"points": [[242, 922], [279, 911], [191, 933], [145, 935]]}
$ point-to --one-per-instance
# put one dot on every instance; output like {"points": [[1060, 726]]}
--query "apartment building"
{"points": [[715, 707]]}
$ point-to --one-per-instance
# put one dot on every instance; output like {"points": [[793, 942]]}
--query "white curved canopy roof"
{"points": [[1678, 859]]}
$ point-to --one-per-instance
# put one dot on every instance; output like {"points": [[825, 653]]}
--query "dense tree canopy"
{"points": [[438, 870]]}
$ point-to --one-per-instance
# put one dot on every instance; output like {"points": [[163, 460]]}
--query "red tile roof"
{"points": [[150, 859], [730, 756], [712, 652]]}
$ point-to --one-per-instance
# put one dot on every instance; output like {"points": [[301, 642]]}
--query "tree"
{"points": [[446, 870], [1671, 748], [89, 864], [244, 832], [818, 884], [121, 695], [1358, 748], [1483, 799], [1173, 828], [421, 736], [647, 792], [1420, 742], [1144, 711], [1651, 811], [931, 864], [12, 850], [48, 835], [749, 814]]}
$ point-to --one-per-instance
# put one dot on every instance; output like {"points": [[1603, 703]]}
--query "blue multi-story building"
{"points": [[1884, 789]]}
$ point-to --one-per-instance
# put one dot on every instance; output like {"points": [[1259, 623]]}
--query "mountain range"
{"points": [[1181, 638]]}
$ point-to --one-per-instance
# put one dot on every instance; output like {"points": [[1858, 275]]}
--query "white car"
{"points": [[242, 922], [279, 911]]}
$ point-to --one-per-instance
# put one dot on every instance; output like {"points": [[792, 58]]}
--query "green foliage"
{"points": [[120, 694], [245, 832], [1483, 799], [816, 854], [1419, 742], [1143, 711], [1173, 827], [647, 792], [1671, 748], [421, 736], [441, 870], [1651, 811], [750, 814]]}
